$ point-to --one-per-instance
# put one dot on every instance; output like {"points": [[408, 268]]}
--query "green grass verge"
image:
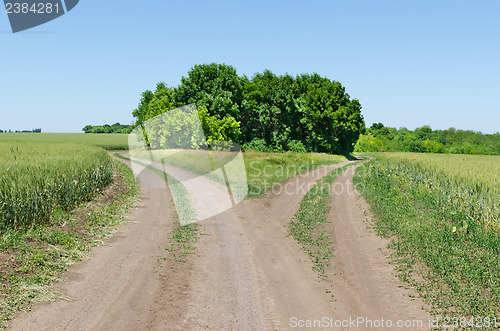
{"points": [[447, 255], [307, 225], [31, 261]]}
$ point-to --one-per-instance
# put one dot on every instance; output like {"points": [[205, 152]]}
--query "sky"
{"points": [[409, 63]]}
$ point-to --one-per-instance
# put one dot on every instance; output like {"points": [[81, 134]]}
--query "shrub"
{"points": [[258, 145], [296, 146]]}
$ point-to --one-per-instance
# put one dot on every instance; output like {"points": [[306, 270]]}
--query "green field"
{"points": [[443, 214], [482, 171], [37, 179], [470, 183], [107, 141]]}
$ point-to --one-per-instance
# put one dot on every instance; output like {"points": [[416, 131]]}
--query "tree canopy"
{"points": [[283, 112]]}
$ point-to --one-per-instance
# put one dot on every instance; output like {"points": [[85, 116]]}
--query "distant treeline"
{"points": [[106, 128], [425, 140], [22, 131]]}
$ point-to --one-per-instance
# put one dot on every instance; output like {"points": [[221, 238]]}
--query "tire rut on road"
{"points": [[364, 281]]}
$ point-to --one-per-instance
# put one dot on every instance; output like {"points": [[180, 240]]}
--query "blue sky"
{"points": [[410, 63]]}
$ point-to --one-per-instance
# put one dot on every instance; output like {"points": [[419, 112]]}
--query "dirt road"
{"points": [[246, 273]]}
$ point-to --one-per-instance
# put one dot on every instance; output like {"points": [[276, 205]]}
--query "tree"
{"points": [[432, 146], [423, 132], [214, 86], [225, 129], [180, 128], [270, 111], [153, 104], [368, 143], [333, 122], [377, 126]]}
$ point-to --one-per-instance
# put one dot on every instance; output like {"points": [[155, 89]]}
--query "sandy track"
{"points": [[364, 283], [246, 275]]}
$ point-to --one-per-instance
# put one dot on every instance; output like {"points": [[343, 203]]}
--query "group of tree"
{"points": [[276, 112], [425, 140], [22, 131], [106, 128]]}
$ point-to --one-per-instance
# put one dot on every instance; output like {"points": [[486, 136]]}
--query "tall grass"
{"points": [[36, 179], [471, 184]]}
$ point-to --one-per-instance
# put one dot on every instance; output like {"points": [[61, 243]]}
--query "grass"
{"points": [[37, 179], [32, 260], [264, 170], [106, 141], [307, 225], [442, 213]]}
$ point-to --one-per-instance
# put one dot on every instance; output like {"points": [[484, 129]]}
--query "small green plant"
{"points": [[182, 239]]}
